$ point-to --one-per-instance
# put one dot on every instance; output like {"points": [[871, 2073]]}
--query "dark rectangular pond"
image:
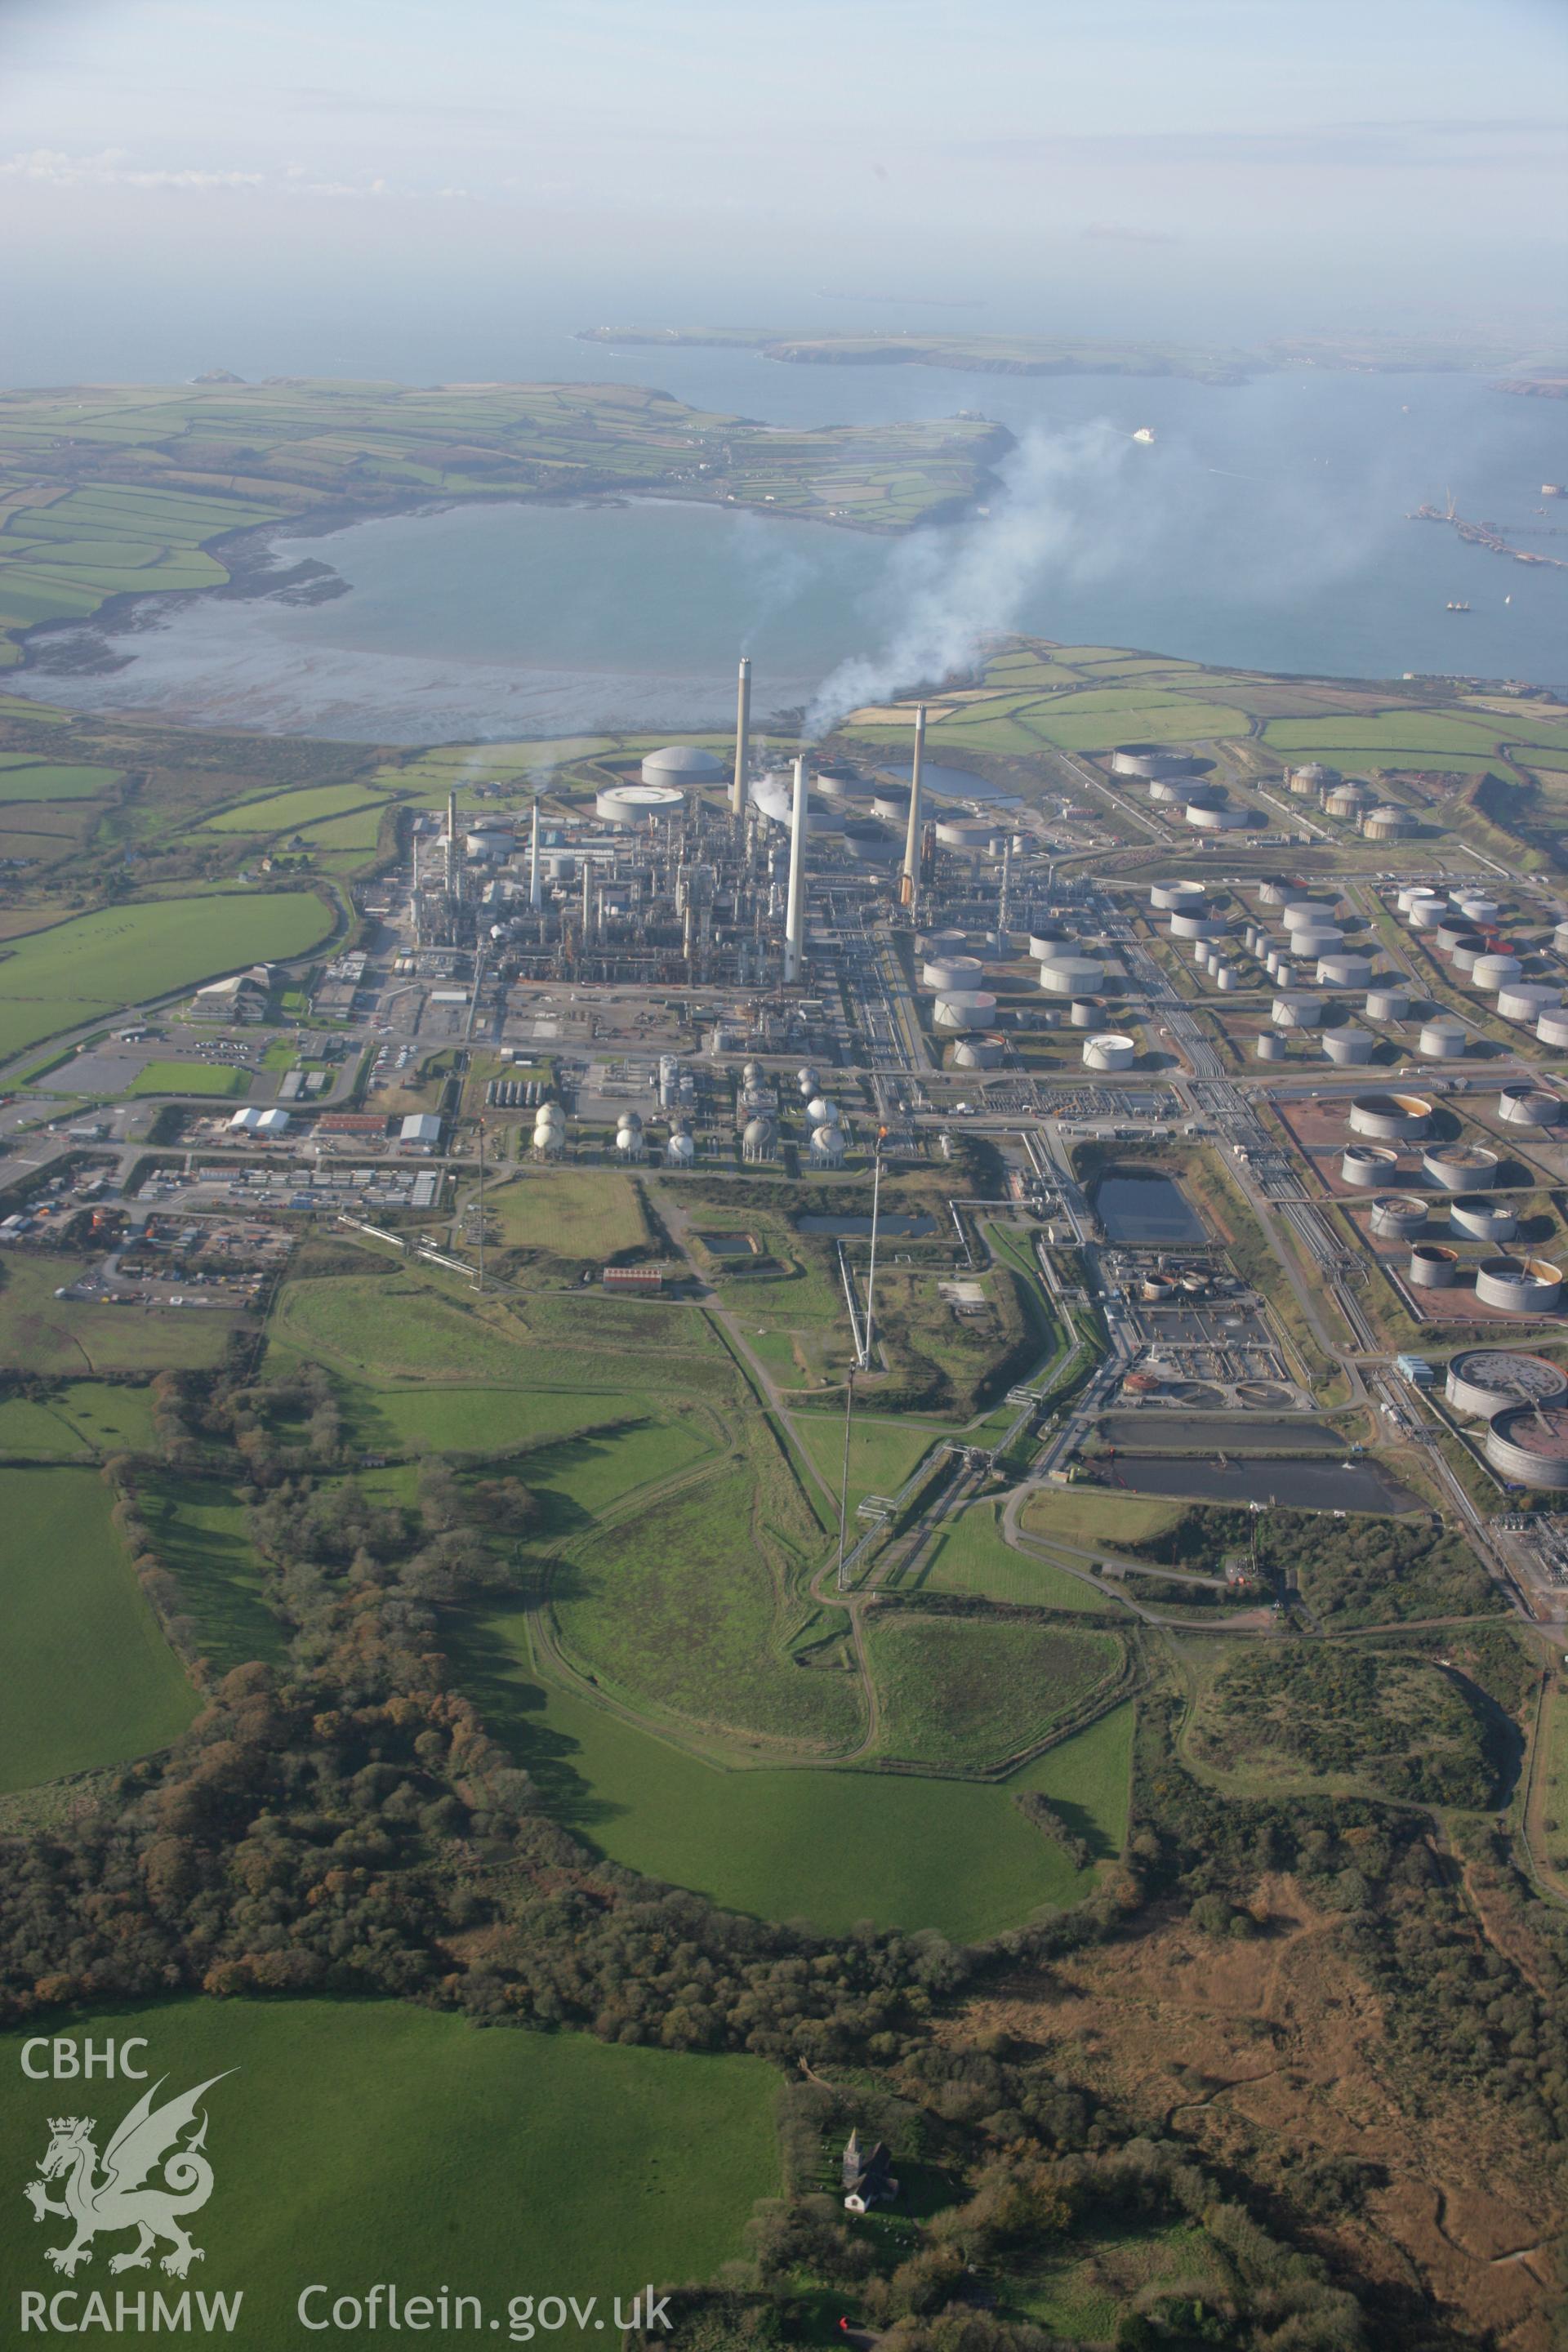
{"points": [[727, 1244], [1167, 1429], [895, 1227], [1147, 1211], [1293, 1486], [953, 784]]}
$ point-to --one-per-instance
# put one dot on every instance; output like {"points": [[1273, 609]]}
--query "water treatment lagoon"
{"points": [[1144, 1209]]}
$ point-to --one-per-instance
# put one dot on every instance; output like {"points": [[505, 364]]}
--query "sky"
{"points": [[190, 182]]}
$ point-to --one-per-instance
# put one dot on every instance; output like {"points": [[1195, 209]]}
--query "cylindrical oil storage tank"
{"points": [[1045, 945], [1487, 1380], [868, 843], [1108, 1051], [1152, 759], [1560, 940], [1520, 1286], [1348, 1047], [1457, 931], [1398, 1217], [1309, 914], [1220, 819], [1528, 1443], [1224, 978], [1460, 1167], [944, 943], [892, 803], [1345, 800], [1390, 1119], [1275, 891], [1204, 953], [1167, 789], [1527, 1000], [951, 971], [1285, 974], [1427, 909], [1476, 907], [627, 806], [977, 1054], [1495, 972], [1432, 1266], [1480, 1220], [1387, 1003], [1296, 1013], [1178, 897], [1467, 953], [1528, 1106], [1368, 1165], [1269, 1048], [971, 836], [1250, 935], [844, 784], [1441, 1039], [1192, 923], [1308, 781], [1339, 970], [1072, 976], [1387, 823], [1323, 939], [969, 1008], [1086, 1012], [1552, 1030]]}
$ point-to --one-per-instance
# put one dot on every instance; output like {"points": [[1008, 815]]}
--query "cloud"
{"points": [[1418, 144], [111, 168]]}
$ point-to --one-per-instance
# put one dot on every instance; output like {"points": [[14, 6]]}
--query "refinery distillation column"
{"points": [[795, 905], [743, 738], [912, 838], [533, 897]]}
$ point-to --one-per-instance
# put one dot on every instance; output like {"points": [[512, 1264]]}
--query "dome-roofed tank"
{"points": [[681, 763], [680, 1150], [757, 1138], [821, 1112], [827, 1146]]}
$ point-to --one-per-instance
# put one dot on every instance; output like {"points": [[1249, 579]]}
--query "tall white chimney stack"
{"points": [[743, 739], [912, 838], [534, 898], [794, 927]]}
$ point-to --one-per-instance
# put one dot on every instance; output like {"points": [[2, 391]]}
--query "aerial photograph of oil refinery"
{"points": [[783, 1175]]}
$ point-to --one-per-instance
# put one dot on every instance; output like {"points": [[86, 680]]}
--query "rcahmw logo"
{"points": [[153, 2175]]}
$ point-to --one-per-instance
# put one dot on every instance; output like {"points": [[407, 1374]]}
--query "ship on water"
{"points": [[1144, 433], [1456, 608]]}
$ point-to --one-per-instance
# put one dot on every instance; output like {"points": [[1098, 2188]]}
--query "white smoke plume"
{"points": [[953, 589]]}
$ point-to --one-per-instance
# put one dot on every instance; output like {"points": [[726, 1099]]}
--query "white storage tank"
{"points": [[1434, 1267], [965, 1009], [1108, 1051], [1203, 954], [1480, 1220], [629, 806], [951, 971], [1367, 1165], [1296, 1013], [971, 836], [1552, 1030], [1309, 914], [1528, 1443], [1519, 1285], [1398, 1217], [1388, 823], [1387, 1003], [1087, 1012], [1072, 976], [1047, 944], [1344, 971], [1348, 1046], [1269, 1048], [977, 1054], [1527, 1106], [1460, 1167], [1219, 819], [1560, 940], [629, 1143], [1427, 911], [1476, 906], [1441, 1040], [1527, 1000], [1487, 1380], [1467, 953], [1180, 899], [758, 1140], [1189, 924], [827, 1146], [806, 1080], [821, 1112], [1495, 972], [1390, 1119], [680, 1150], [1224, 978]]}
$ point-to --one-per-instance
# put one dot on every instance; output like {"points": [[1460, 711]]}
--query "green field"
{"points": [[101, 963], [23, 779], [91, 1680], [1090, 1519], [395, 2145], [968, 1693], [79, 1420], [292, 812], [832, 1847], [582, 1213], [189, 1078], [971, 1555], [198, 1532], [882, 1454], [41, 1333]]}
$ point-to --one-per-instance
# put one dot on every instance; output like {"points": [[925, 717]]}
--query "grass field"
{"points": [[588, 1213], [882, 1454], [91, 1679], [403, 2145], [26, 778], [198, 1532], [41, 1333], [1090, 1520], [967, 1692], [292, 812], [80, 1420], [189, 1078], [101, 963], [971, 1555], [688, 1608], [832, 1847]]}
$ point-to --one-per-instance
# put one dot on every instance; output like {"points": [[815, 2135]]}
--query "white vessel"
{"points": [[1144, 433]]}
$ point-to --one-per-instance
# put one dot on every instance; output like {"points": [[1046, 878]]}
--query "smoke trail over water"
{"points": [[952, 590]]}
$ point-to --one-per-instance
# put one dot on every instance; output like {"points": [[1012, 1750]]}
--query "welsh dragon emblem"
{"points": [[118, 2197]]}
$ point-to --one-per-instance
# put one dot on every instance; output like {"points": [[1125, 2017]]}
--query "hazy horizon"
{"points": [[403, 189]]}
